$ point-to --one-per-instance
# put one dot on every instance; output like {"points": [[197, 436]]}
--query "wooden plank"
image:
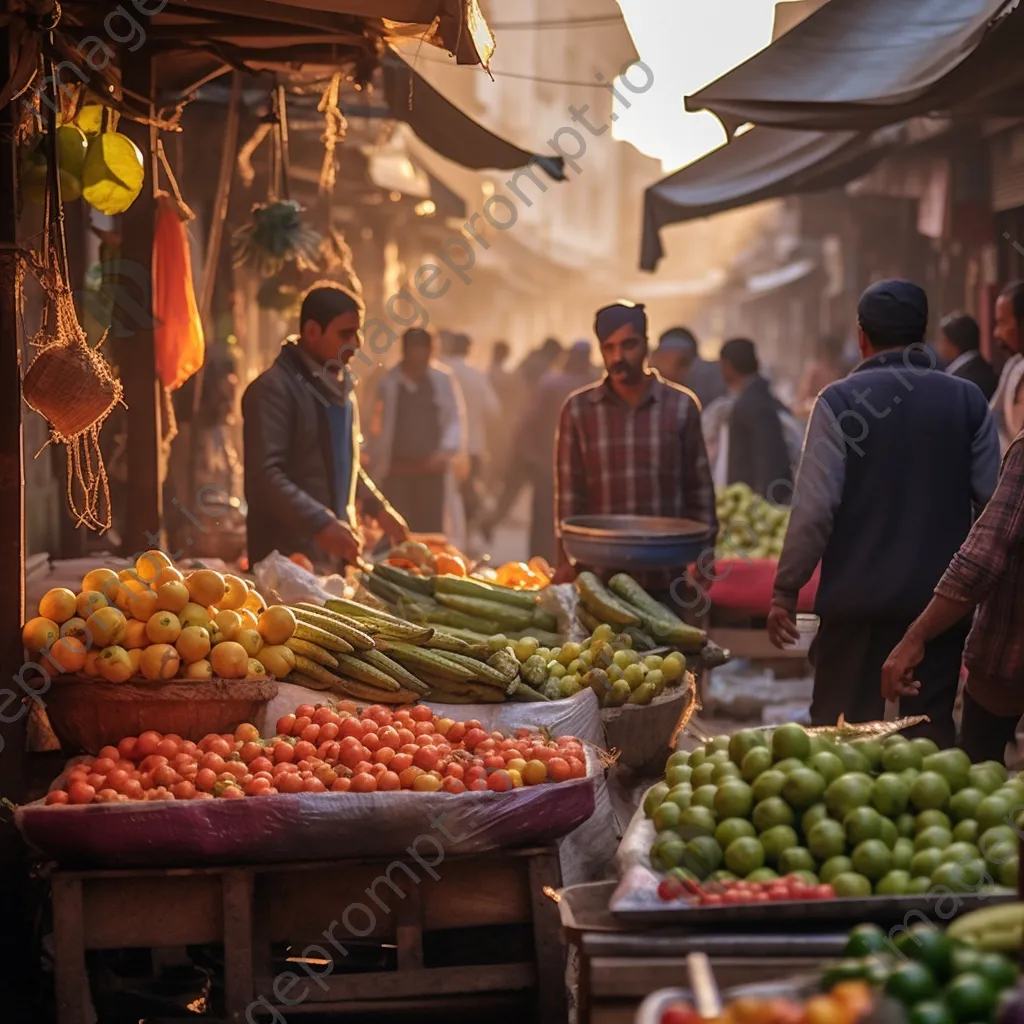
{"points": [[238, 943], [480, 891], [409, 933], [171, 911], [753, 644], [391, 985], [549, 948], [143, 518], [74, 1005]]}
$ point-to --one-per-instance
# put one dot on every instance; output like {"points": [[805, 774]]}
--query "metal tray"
{"points": [[874, 909], [634, 543]]}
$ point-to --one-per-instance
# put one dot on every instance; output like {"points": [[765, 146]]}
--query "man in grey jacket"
{"points": [[302, 463]]}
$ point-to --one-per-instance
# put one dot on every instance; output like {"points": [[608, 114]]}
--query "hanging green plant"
{"points": [[71, 151], [275, 236], [114, 173]]}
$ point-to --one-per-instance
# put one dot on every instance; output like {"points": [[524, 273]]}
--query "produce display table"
{"points": [[747, 585], [417, 937]]}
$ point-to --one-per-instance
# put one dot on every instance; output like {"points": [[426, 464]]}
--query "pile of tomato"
{"points": [[321, 749], [778, 890]]}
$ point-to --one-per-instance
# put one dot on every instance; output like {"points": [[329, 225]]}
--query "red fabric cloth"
{"points": [[747, 586]]}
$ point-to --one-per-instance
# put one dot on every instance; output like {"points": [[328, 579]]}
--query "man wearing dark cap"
{"points": [[630, 443], [677, 358], [897, 458]]}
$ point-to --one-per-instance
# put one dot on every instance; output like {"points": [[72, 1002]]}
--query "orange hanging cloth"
{"points": [[178, 330]]}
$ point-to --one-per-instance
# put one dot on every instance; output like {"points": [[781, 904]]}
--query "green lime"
{"points": [[835, 866], [992, 811], [961, 876], [827, 765], [788, 765], [890, 795], [721, 875], [862, 823], [696, 821], [827, 839], [925, 861], [733, 828], [811, 817], [763, 875], [893, 883], [929, 1011], [987, 775], [702, 856], [768, 784], [704, 796], [928, 818], [744, 855], [853, 760], [849, 884], [872, 859], [957, 852], [911, 983], [909, 776], [848, 792], [794, 859], [755, 762], [966, 831], [992, 839], [964, 803], [678, 758], [667, 853], [654, 797], [683, 875], [919, 886], [777, 839], [889, 832], [902, 854], [925, 746], [717, 745], [681, 795], [1009, 873], [724, 772], [678, 774], [852, 968], [734, 799], [871, 751], [930, 792], [666, 816], [953, 765], [791, 740], [703, 774], [934, 835], [877, 973], [803, 788], [905, 825], [807, 877], [697, 757], [864, 939], [970, 997], [998, 970], [771, 812], [964, 959], [741, 743], [898, 756]]}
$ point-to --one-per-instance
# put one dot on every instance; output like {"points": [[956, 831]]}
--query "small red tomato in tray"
{"points": [[680, 1013], [778, 890]]}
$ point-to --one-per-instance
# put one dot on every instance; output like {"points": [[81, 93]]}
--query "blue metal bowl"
{"points": [[634, 543]]}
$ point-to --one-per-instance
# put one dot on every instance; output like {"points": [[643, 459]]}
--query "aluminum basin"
{"points": [[634, 543]]}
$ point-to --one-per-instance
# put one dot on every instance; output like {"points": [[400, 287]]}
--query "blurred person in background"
{"points": [[301, 436], [631, 444], [756, 450], [505, 386], [1008, 401], [534, 447], [483, 411], [678, 359], [959, 348], [817, 375], [421, 432]]}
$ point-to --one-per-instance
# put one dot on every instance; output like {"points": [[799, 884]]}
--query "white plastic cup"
{"points": [[807, 627]]}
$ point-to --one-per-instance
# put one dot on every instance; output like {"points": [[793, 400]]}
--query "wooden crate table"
{"points": [[359, 904]]}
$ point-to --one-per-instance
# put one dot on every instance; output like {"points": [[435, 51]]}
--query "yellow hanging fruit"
{"points": [[114, 173], [71, 151]]}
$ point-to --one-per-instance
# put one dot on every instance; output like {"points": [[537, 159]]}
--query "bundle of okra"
{"points": [[358, 652]]}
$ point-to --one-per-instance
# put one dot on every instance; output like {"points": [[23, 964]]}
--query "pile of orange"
{"points": [[533, 575]]}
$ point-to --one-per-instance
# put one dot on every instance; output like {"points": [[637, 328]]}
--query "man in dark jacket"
{"points": [[678, 359], [896, 459], [301, 430], [959, 348], [758, 455]]}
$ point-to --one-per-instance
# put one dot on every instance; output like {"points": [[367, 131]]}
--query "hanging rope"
{"points": [[335, 129]]}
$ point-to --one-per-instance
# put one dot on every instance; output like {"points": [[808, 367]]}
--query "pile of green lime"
{"points": [[886, 817], [936, 979]]}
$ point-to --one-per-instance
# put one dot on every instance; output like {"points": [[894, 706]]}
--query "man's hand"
{"points": [[436, 464], [898, 670], [341, 541], [565, 573], [782, 629], [395, 528]]}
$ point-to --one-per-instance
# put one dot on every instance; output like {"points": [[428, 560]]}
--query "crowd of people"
{"points": [[894, 481]]}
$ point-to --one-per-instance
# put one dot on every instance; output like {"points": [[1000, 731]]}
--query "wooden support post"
{"points": [[238, 942], [72, 979], [544, 870], [144, 517]]}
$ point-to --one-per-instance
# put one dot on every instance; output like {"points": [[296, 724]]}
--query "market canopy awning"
{"points": [[763, 163], [857, 65]]}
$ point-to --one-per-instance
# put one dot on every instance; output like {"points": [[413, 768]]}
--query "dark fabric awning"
{"points": [[764, 163], [446, 129], [856, 65]]}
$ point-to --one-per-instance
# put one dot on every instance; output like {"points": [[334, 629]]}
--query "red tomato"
{"points": [[291, 782], [455, 732], [388, 782], [453, 785], [341, 785], [304, 749], [454, 770], [81, 793], [713, 899], [313, 785], [404, 736], [577, 768], [400, 762], [103, 765], [126, 748], [284, 752], [473, 738], [285, 725], [233, 793], [305, 711], [558, 770], [478, 785], [257, 787], [499, 782], [322, 715], [680, 1013], [147, 743], [57, 796], [671, 889], [364, 782], [426, 758], [351, 727], [409, 776], [329, 731], [825, 892], [383, 755], [133, 790], [183, 790], [206, 779], [372, 742], [96, 780], [494, 762]]}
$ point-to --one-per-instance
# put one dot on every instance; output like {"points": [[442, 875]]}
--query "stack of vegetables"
{"points": [[471, 608]]}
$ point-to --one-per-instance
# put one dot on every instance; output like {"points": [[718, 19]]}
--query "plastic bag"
{"points": [[178, 334], [294, 584]]}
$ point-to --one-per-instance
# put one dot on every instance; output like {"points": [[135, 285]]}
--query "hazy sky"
{"points": [[687, 43]]}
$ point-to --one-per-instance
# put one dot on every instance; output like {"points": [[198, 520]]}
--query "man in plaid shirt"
{"points": [[631, 444], [987, 573]]}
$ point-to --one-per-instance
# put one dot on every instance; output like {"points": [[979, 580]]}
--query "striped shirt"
{"points": [[613, 459]]}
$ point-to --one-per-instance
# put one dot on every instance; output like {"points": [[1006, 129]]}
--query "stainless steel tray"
{"points": [[634, 543]]}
